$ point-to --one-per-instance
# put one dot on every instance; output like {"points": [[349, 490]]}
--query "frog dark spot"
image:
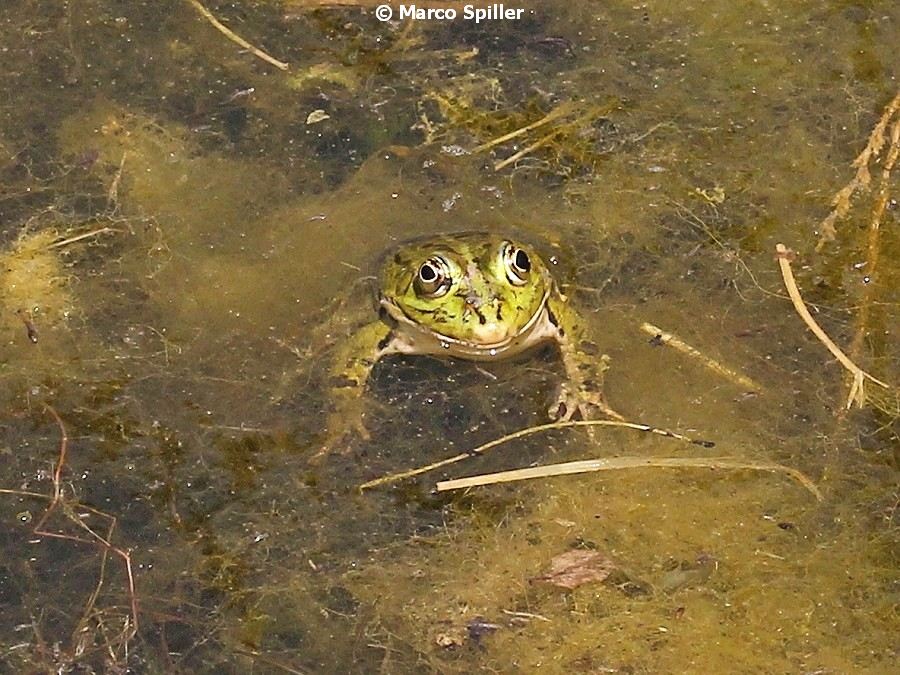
{"points": [[555, 322], [589, 348], [552, 317], [342, 381], [385, 341], [386, 317]]}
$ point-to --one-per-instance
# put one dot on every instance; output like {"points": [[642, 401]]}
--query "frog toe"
{"points": [[583, 403], [596, 402], [565, 405], [339, 435]]}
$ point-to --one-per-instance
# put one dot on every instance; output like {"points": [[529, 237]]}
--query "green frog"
{"points": [[473, 296]]}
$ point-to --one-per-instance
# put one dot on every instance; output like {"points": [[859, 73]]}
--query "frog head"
{"points": [[471, 292]]}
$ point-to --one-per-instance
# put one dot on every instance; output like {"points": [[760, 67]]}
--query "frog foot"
{"points": [[580, 400], [341, 426], [339, 433]]}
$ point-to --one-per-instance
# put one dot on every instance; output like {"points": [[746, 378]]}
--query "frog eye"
{"points": [[433, 278], [517, 264]]}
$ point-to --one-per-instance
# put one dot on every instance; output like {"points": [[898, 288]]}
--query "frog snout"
{"points": [[489, 328], [489, 332]]}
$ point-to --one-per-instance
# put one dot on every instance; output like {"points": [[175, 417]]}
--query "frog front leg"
{"points": [[582, 392], [351, 366]]}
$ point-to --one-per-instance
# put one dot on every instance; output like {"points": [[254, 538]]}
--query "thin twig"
{"points": [[61, 460], [481, 449], [859, 375], [92, 600], [112, 195], [615, 463], [526, 615], [264, 658], [234, 37], [559, 111], [498, 166], [25, 493], [85, 235], [58, 499], [683, 347]]}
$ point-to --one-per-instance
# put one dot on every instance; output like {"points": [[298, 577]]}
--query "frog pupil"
{"points": [[427, 273], [518, 265], [432, 278], [521, 261]]}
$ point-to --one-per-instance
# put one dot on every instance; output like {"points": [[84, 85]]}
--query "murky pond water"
{"points": [[188, 232]]}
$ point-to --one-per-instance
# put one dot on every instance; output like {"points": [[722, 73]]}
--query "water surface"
{"points": [[187, 231]]}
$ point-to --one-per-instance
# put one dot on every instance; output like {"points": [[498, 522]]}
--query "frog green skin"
{"points": [[473, 296]]}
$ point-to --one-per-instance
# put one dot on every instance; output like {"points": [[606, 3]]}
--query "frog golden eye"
{"points": [[517, 264], [433, 278]]}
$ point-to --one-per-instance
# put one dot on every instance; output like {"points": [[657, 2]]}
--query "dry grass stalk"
{"points": [[673, 341], [234, 37], [541, 142], [537, 145], [565, 122], [856, 394], [841, 201], [80, 237], [616, 463], [559, 111], [873, 243], [481, 449]]}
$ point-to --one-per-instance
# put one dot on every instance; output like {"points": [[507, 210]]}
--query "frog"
{"points": [[473, 296]]}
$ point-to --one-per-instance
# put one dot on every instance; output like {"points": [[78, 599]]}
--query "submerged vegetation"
{"points": [[190, 193]]}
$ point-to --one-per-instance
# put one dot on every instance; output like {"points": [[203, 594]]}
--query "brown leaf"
{"points": [[574, 568]]}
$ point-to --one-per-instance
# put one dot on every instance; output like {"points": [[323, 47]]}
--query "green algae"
{"points": [[184, 351]]}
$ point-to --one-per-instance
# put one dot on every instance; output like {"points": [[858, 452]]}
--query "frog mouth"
{"points": [[459, 345]]}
